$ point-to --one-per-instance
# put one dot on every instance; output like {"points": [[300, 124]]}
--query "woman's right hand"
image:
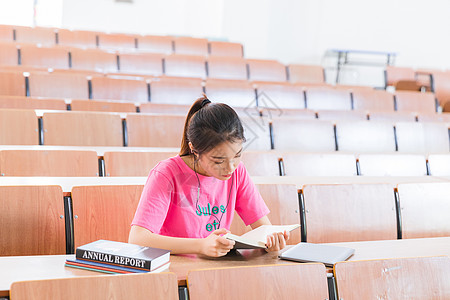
{"points": [[215, 245]]}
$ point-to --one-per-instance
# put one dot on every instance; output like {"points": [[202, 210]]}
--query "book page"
{"points": [[260, 234]]}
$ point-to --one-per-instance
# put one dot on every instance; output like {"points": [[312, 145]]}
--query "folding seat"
{"points": [[218, 48], [127, 163], [155, 44], [141, 63], [105, 106], [393, 116], [398, 278], [353, 212], [291, 134], [415, 101], [22, 102], [191, 46], [439, 164], [30, 222], [256, 132], [304, 114], [424, 209], [325, 98], [280, 96], [8, 54], [422, 137], [154, 130], [82, 129], [94, 60], [266, 70], [119, 89], [6, 33], [373, 100], [178, 65], [116, 41], [172, 90], [59, 85], [435, 117], [261, 163], [221, 67], [38, 57], [337, 115], [12, 84], [318, 164], [18, 127], [35, 35], [306, 74], [161, 108], [365, 136], [236, 93], [441, 86], [395, 74], [77, 38], [392, 165]]}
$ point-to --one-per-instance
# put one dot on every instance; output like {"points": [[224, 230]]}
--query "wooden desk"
{"points": [[21, 268]]}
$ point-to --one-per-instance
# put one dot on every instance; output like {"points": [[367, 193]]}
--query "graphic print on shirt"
{"points": [[213, 212]]}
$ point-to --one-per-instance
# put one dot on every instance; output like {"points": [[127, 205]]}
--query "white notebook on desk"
{"points": [[326, 254]]}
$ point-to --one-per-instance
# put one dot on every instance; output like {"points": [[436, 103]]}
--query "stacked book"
{"points": [[119, 258]]}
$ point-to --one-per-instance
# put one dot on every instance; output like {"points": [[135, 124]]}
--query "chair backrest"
{"points": [[284, 281], [82, 129], [439, 164], [415, 102], [282, 201], [442, 117], [349, 212], [326, 98], [337, 115], [9, 54], [280, 95], [256, 132], [93, 60], [365, 136], [12, 84], [116, 41], [141, 63], [35, 35], [163, 108], [306, 74], [56, 163], [266, 70], [129, 286], [424, 209], [55, 57], [22, 102], [191, 46], [394, 74], [105, 106], [227, 67], [393, 116], [133, 163], [236, 93], [291, 134], [303, 114], [218, 48], [32, 220], [261, 163], [60, 85], [77, 38], [185, 66], [134, 90], [103, 212], [400, 278], [392, 165], [155, 44], [373, 100], [18, 127], [172, 90], [422, 137], [318, 164], [154, 130]]}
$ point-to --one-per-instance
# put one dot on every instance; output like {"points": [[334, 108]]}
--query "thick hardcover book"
{"points": [[108, 268], [123, 254], [257, 237]]}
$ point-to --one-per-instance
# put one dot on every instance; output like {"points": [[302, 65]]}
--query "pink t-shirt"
{"points": [[168, 201]]}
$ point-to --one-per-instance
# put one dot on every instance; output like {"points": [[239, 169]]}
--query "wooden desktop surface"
{"points": [[20, 268]]}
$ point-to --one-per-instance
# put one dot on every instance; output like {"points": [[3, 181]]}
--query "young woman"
{"points": [[188, 201]]}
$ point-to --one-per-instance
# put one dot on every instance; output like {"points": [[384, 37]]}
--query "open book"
{"points": [[257, 237]]}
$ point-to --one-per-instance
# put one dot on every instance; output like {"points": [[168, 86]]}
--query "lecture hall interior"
{"points": [[345, 107]]}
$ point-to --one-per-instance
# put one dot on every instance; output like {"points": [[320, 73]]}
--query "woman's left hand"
{"points": [[277, 241]]}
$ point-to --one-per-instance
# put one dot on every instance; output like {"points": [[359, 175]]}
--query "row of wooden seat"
{"points": [[23, 127], [91, 39], [66, 162], [55, 224]]}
